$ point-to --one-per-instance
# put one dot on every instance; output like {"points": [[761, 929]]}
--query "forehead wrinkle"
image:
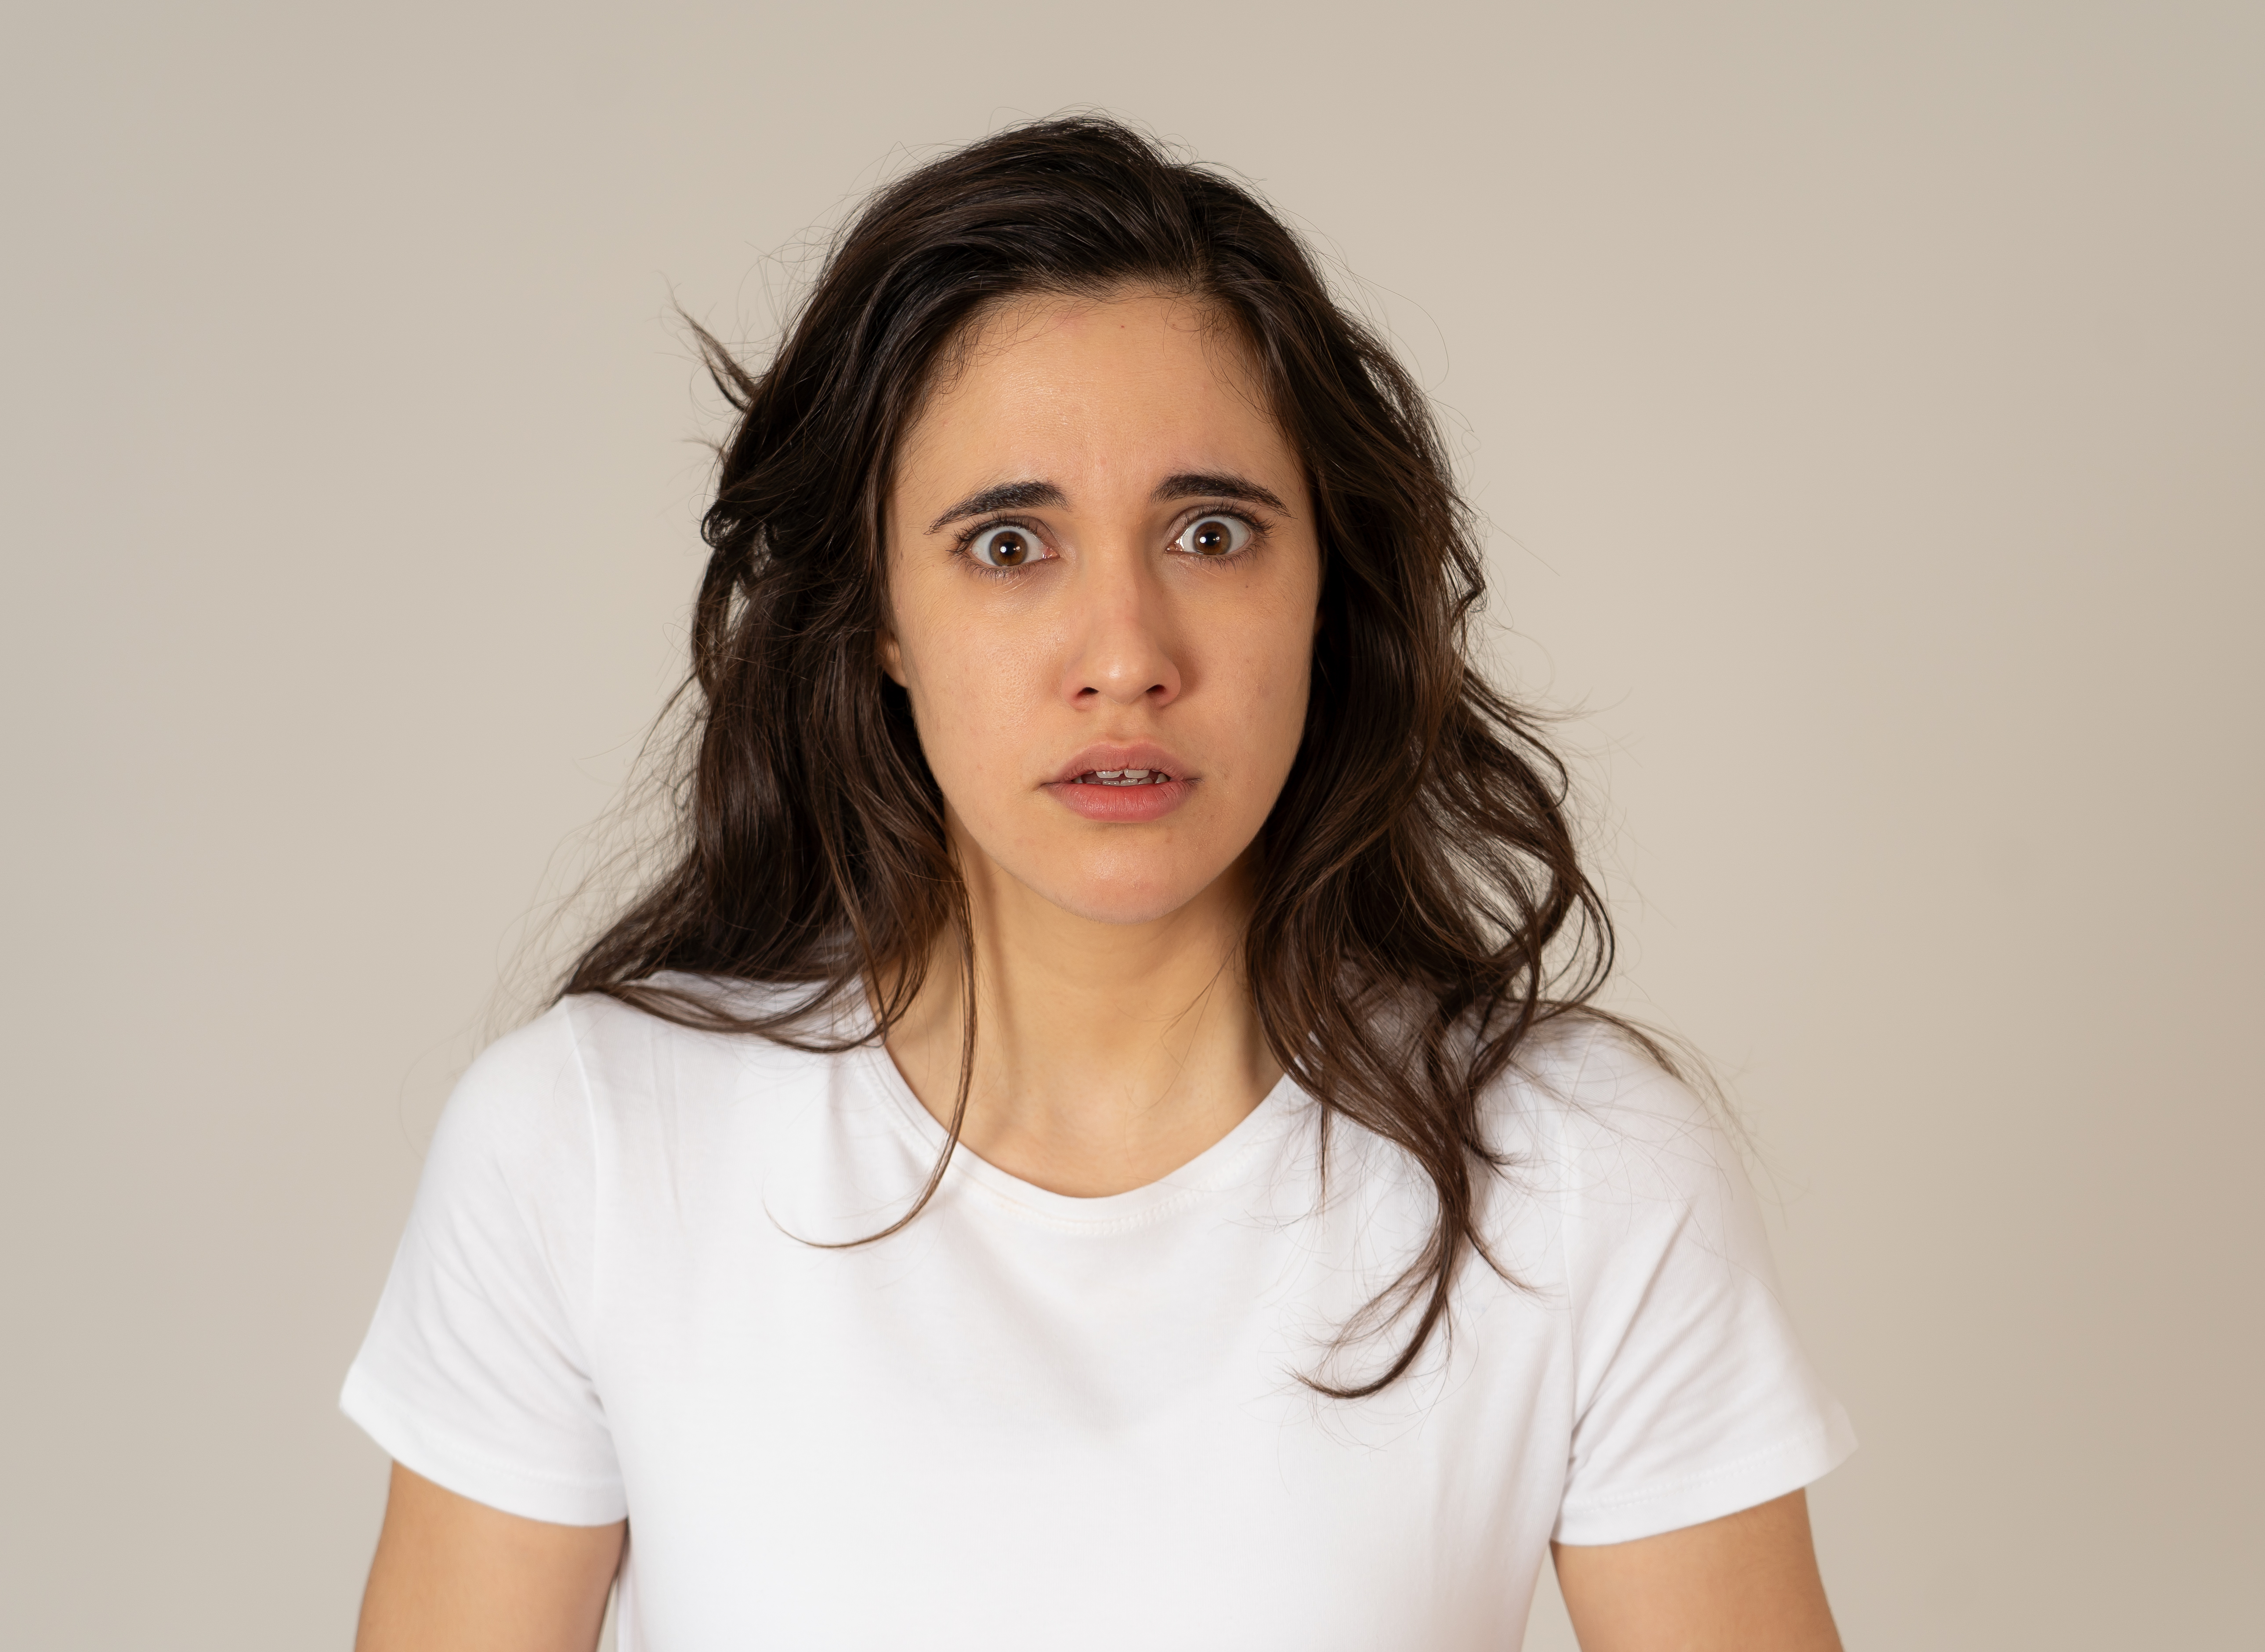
{"points": [[997, 326]]}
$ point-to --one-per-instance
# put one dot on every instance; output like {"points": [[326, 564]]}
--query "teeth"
{"points": [[1125, 776]]}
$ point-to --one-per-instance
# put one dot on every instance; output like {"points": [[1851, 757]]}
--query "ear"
{"points": [[890, 656]]}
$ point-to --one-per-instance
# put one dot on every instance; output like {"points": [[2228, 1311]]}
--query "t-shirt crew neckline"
{"points": [[1225, 1164]]}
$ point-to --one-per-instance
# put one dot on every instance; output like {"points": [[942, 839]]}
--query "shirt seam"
{"points": [[412, 1421], [1182, 1197], [1661, 1490], [1576, 1184], [586, 1331]]}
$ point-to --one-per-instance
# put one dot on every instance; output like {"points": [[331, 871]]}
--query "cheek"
{"points": [[975, 697], [1271, 668]]}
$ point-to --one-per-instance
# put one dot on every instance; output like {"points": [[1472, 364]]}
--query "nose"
{"points": [[1122, 650]]}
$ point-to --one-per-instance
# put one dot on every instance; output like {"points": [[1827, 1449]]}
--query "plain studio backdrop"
{"points": [[1868, 404]]}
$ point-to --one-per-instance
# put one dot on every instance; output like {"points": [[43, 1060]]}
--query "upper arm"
{"points": [[1745, 1582], [453, 1574], [480, 1368], [1692, 1397]]}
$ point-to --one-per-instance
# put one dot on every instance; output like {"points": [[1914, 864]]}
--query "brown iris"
{"points": [[1212, 539]]}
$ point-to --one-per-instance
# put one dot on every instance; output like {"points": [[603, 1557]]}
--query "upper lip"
{"points": [[1138, 754]]}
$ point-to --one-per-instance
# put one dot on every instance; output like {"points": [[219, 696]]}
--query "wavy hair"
{"points": [[1420, 907]]}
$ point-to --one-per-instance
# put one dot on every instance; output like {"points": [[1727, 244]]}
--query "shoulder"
{"points": [[1582, 1086], [597, 1094], [632, 1057], [518, 1118], [1600, 1133], [546, 1081], [530, 1077]]}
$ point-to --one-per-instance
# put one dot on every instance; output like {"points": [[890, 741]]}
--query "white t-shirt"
{"points": [[1037, 1422]]}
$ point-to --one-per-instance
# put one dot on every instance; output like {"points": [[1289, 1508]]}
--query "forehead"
{"points": [[1053, 386]]}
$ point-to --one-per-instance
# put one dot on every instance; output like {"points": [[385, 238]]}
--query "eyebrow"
{"points": [[1187, 485], [1200, 485], [1007, 496]]}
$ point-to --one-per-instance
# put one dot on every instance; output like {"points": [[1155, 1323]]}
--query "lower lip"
{"points": [[1124, 805]]}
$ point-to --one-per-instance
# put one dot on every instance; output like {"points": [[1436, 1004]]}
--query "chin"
{"points": [[1102, 900], [1109, 908], [1124, 894]]}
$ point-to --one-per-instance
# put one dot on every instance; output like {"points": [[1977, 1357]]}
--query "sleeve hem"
{"points": [[445, 1461], [1756, 1478]]}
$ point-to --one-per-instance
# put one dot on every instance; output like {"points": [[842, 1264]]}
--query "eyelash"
{"points": [[961, 547]]}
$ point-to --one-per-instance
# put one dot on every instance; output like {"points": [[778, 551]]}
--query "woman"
{"points": [[1096, 1142]]}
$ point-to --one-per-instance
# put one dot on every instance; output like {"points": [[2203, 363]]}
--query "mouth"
{"points": [[1125, 784], [1124, 763], [1121, 777]]}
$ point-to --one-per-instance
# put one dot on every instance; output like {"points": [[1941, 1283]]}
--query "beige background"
{"points": [[1869, 401]]}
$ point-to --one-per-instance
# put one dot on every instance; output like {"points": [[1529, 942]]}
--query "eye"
{"points": [[1213, 536], [1006, 547]]}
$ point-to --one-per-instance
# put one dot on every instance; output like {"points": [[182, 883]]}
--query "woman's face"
{"points": [[1103, 588]]}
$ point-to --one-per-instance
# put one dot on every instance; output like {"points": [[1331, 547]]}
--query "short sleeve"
{"points": [[1694, 1399], [475, 1373]]}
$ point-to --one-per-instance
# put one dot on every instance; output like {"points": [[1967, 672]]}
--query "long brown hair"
{"points": [[1420, 906]]}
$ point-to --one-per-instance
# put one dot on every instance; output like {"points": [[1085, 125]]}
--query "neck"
{"points": [[1107, 1055]]}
